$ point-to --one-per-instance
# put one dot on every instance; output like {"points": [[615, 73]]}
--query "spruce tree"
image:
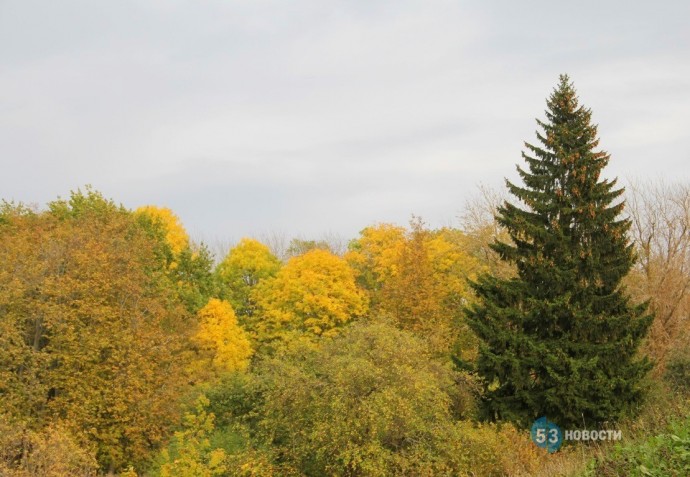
{"points": [[560, 338]]}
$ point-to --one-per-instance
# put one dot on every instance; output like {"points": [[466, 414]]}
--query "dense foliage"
{"points": [[92, 327]]}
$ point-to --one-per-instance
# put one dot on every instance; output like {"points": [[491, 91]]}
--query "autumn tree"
{"points": [[189, 264], [92, 327], [560, 339], [660, 216], [374, 256], [222, 344], [243, 268], [481, 229], [175, 234], [414, 296], [193, 454], [48, 452], [299, 246], [314, 293], [419, 278]]}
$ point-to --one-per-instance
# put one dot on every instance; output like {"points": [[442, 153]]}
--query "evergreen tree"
{"points": [[560, 338]]}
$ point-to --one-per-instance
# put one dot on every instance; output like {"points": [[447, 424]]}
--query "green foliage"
{"points": [[245, 266], [560, 339], [369, 402], [663, 455], [192, 453], [193, 274], [80, 204], [678, 371], [188, 265], [235, 397]]}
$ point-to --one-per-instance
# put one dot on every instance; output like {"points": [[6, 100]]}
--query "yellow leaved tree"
{"points": [[92, 329], [175, 234], [189, 264], [375, 256], [419, 278], [314, 293], [194, 455], [222, 344], [246, 264]]}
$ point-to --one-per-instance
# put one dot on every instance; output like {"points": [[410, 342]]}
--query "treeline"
{"points": [[118, 331], [128, 349]]}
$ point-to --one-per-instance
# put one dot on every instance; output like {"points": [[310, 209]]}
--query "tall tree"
{"points": [[560, 339], [92, 331]]}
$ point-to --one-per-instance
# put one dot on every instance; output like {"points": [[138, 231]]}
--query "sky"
{"points": [[313, 117]]}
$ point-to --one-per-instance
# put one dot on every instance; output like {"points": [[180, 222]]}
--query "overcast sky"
{"points": [[312, 117]]}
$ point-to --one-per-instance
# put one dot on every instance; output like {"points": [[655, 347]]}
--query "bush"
{"points": [[369, 402], [50, 452], [678, 371], [664, 455]]}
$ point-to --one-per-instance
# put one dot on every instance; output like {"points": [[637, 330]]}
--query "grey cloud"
{"points": [[310, 116]]}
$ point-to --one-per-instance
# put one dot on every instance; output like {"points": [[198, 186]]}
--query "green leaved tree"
{"points": [[560, 339]]}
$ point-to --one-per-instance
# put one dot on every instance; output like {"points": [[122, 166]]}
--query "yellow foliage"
{"points": [[376, 253], [195, 457], [420, 280], [452, 264], [246, 264], [220, 339], [175, 234], [51, 452], [489, 449], [314, 293], [91, 331]]}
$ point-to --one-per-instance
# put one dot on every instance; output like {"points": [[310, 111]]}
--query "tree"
{"points": [[222, 343], [243, 268], [189, 264], [92, 328], [299, 246], [314, 293], [193, 275], [50, 452], [560, 338], [175, 233], [414, 296], [480, 229], [417, 277], [193, 453], [374, 256], [660, 214]]}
